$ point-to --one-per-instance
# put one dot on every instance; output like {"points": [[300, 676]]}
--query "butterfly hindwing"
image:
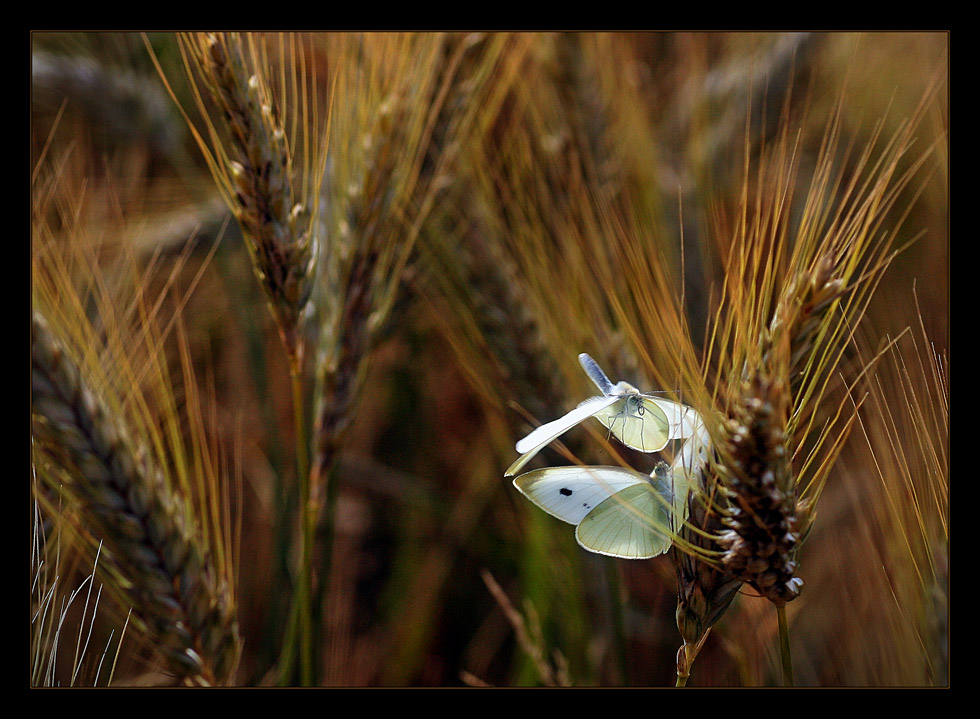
{"points": [[637, 422], [681, 421], [632, 524], [617, 511]]}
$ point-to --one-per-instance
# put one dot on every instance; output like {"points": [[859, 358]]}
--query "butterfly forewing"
{"points": [[544, 434], [682, 421], [570, 493], [541, 437], [596, 374]]}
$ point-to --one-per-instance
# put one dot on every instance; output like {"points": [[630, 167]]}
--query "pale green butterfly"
{"points": [[616, 511], [638, 420]]}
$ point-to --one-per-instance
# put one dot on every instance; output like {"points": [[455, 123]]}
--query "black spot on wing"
{"points": [[565, 492]]}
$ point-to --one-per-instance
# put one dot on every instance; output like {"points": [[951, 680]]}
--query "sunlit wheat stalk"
{"points": [[509, 276], [552, 200], [123, 453], [538, 195], [526, 216], [784, 352], [471, 280], [528, 632], [268, 160], [382, 178], [186, 605], [396, 129], [268, 170], [904, 428], [794, 290]]}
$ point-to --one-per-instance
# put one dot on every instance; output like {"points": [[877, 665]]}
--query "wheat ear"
{"points": [[704, 588], [764, 529], [186, 605], [277, 220]]}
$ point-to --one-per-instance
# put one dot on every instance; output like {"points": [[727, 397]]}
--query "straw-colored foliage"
{"points": [[296, 296]]}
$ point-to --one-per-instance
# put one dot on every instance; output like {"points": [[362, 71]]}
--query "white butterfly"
{"points": [[639, 421], [617, 511]]}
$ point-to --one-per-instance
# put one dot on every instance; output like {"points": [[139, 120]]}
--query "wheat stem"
{"points": [[784, 653], [277, 207], [301, 622]]}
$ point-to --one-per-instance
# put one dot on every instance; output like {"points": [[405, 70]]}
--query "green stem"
{"points": [[287, 659], [685, 658], [618, 621], [322, 539], [305, 619], [784, 646], [301, 616]]}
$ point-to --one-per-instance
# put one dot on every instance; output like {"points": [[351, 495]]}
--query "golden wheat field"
{"points": [[301, 302]]}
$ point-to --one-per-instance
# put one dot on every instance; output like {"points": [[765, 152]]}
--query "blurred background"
{"points": [[531, 184]]}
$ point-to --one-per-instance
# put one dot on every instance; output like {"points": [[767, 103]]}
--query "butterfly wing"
{"points": [[682, 421], [547, 433], [634, 523], [673, 484], [571, 493], [641, 520], [596, 374], [637, 422], [618, 512]]}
